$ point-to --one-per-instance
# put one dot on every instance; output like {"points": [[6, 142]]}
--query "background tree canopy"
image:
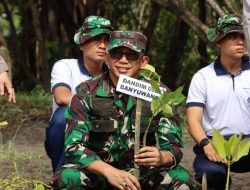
{"points": [[36, 33]]}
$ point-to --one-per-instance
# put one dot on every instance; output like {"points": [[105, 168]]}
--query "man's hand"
{"points": [[211, 153], [6, 87], [122, 180], [119, 179], [149, 156]]}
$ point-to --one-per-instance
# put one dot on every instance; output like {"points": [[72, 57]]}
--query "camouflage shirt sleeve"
{"points": [[77, 133], [170, 139]]}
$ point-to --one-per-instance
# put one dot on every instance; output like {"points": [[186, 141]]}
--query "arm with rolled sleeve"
{"points": [[61, 82], [195, 105]]}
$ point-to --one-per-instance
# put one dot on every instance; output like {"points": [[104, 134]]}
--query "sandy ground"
{"points": [[26, 155]]}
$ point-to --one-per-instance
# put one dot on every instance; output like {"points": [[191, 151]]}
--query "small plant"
{"points": [[163, 103], [231, 150]]}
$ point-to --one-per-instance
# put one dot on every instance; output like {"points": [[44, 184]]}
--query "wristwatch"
{"points": [[204, 142]]}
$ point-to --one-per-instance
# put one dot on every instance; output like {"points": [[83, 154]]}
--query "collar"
{"points": [[220, 70], [107, 89], [85, 71]]}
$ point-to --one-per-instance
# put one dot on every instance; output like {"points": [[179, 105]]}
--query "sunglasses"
{"points": [[130, 56]]}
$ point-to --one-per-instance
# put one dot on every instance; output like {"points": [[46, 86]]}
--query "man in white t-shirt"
{"points": [[219, 97], [66, 74]]}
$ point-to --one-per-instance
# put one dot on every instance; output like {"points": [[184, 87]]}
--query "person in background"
{"points": [[5, 83], [219, 97], [246, 23], [100, 132], [66, 74]]}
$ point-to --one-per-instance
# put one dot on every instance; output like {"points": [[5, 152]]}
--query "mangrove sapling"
{"points": [[159, 104], [164, 102], [231, 150]]}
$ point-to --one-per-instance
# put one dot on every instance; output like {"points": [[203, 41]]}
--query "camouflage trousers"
{"points": [[178, 178]]}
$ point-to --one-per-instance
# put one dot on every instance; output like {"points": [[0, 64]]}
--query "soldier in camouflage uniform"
{"points": [[99, 137], [219, 98]]}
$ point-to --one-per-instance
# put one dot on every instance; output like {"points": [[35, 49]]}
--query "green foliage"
{"points": [[230, 151], [165, 101], [55, 51], [15, 181], [30, 107]]}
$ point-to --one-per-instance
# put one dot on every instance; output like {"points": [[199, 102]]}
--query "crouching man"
{"points": [[100, 136]]}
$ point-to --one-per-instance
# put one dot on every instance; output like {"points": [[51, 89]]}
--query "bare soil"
{"points": [[25, 154]]}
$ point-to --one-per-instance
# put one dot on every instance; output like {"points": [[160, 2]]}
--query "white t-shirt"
{"points": [[225, 98], [68, 73]]}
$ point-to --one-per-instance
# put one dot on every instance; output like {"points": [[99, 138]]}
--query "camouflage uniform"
{"points": [[101, 125], [92, 26], [225, 25]]}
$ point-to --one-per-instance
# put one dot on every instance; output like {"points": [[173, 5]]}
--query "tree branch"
{"points": [[231, 7], [194, 22], [216, 7]]}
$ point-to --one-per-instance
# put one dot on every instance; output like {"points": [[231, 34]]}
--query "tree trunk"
{"points": [[155, 12], [202, 46], [178, 41]]}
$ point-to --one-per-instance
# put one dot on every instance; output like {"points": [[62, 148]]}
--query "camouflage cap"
{"points": [[133, 40], [226, 24], [92, 26]]}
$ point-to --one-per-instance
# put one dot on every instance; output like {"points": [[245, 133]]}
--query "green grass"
{"points": [[31, 109]]}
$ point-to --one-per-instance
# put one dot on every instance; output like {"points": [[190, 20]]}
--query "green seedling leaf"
{"points": [[156, 106], [234, 142], [150, 68], [227, 149], [167, 110], [165, 97], [230, 145], [155, 86], [3, 123], [39, 187], [149, 75], [243, 149], [218, 142], [176, 97]]}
